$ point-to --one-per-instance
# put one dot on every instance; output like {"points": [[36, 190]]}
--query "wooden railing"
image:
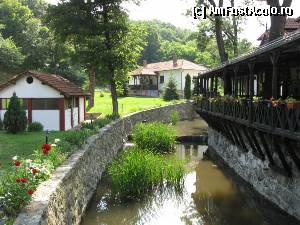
{"points": [[262, 114]]}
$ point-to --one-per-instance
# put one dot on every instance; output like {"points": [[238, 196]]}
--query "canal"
{"points": [[210, 196]]}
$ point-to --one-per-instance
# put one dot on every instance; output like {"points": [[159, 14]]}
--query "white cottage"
{"points": [[50, 99], [150, 79]]}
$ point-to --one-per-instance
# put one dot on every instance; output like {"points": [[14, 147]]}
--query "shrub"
{"points": [[15, 117], [1, 125], [174, 117], [137, 171], [170, 92], [187, 87], [113, 116], [157, 137], [76, 138], [101, 94], [35, 127]]}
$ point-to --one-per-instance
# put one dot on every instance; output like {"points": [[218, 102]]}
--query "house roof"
{"points": [[64, 86], [152, 68], [283, 42], [291, 24]]}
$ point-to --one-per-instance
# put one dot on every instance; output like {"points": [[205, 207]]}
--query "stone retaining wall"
{"points": [[280, 190], [62, 200]]}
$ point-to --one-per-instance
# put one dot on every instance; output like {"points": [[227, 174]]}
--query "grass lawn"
{"points": [[22, 144], [127, 105]]}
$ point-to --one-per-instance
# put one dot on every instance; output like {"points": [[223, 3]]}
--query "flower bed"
{"points": [[20, 181]]}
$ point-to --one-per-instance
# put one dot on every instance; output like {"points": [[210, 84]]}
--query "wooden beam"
{"points": [[275, 59], [281, 156], [266, 147], [235, 82]]}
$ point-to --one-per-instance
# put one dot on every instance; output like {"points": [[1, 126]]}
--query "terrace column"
{"points": [[235, 70], [227, 83], [251, 65], [274, 59], [212, 85], [216, 85], [61, 114], [29, 109]]}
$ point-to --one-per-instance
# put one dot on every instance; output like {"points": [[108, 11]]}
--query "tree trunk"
{"points": [[92, 84], [220, 40], [235, 32], [114, 97], [277, 22]]}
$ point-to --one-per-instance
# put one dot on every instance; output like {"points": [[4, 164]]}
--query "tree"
{"points": [[277, 22], [100, 28], [11, 57], [15, 117], [187, 87], [170, 92]]}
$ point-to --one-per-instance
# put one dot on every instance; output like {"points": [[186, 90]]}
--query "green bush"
{"points": [[187, 87], [174, 117], [101, 94], [137, 171], [157, 137], [15, 119], [113, 116], [1, 125], [96, 124], [170, 92], [35, 127]]}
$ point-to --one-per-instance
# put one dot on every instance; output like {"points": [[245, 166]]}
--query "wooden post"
{"points": [[235, 82], [227, 83], [274, 59], [251, 65], [212, 85], [62, 114], [216, 84], [29, 108]]}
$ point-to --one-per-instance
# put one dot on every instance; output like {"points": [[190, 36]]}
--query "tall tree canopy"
{"points": [[99, 27]]}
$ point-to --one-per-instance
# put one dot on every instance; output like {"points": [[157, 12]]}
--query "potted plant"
{"points": [[256, 99], [277, 102], [291, 103]]}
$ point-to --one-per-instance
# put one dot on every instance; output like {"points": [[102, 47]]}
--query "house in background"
{"points": [[150, 79], [49, 99], [291, 25]]}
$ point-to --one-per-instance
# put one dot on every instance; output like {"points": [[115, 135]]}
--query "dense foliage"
{"points": [[15, 119], [1, 125], [137, 171], [174, 118], [156, 137], [170, 92], [35, 127]]}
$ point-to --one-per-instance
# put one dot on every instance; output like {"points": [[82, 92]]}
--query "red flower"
{"points": [[46, 148], [34, 171], [17, 163], [30, 191], [24, 180], [18, 180]]}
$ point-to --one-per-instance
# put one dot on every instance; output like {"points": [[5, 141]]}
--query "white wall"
{"points": [[68, 119], [75, 116], [34, 90], [176, 74], [49, 118], [81, 106]]}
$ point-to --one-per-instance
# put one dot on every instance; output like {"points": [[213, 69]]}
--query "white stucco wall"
{"points": [[34, 90], [49, 118], [176, 74], [75, 116], [81, 106], [68, 119]]}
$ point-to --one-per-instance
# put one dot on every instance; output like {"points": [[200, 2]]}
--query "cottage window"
{"points": [[5, 103], [162, 79], [45, 104], [29, 80]]}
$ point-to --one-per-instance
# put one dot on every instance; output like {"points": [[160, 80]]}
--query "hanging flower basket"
{"points": [[291, 103]]}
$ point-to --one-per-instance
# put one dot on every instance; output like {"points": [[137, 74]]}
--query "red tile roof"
{"points": [[151, 68], [64, 86]]}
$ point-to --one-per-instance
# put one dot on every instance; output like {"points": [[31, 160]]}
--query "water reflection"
{"points": [[209, 197]]}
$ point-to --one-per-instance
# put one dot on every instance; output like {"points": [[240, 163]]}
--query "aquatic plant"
{"points": [[174, 117], [156, 137], [135, 172]]}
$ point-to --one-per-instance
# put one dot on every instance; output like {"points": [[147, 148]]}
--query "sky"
{"points": [[173, 11]]}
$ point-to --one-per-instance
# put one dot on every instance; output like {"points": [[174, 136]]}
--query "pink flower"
{"points": [[30, 192], [24, 180], [18, 180]]}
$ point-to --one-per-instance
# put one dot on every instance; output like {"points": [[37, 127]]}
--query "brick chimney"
{"points": [[175, 61], [145, 63]]}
